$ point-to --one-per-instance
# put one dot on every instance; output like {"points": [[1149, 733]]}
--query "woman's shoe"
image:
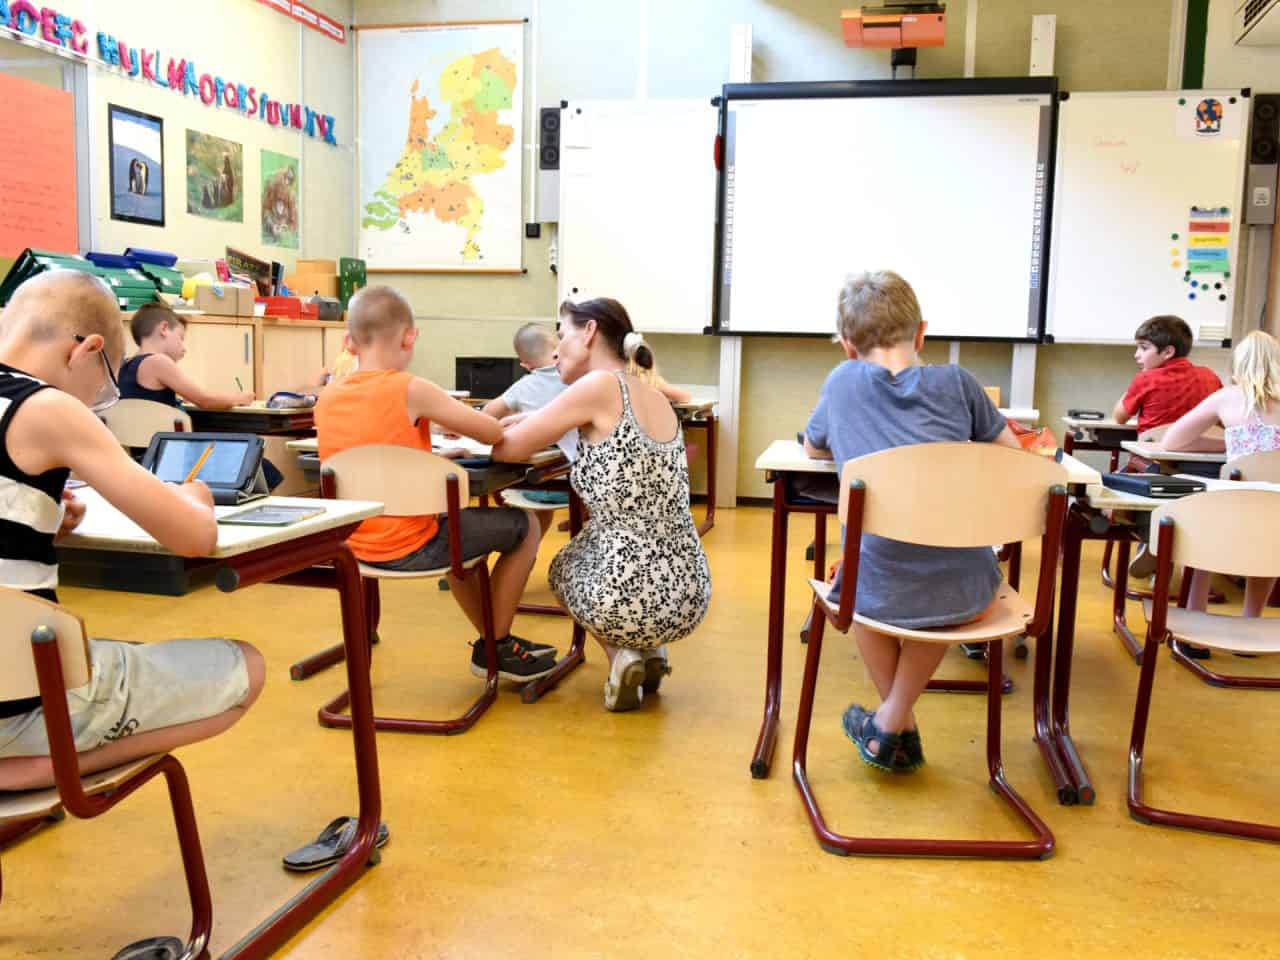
{"points": [[655, 668], [624, 688]]}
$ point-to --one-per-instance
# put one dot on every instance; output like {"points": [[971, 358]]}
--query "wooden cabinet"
{"points": [[218, 353], [291, 357], [333, 337]]}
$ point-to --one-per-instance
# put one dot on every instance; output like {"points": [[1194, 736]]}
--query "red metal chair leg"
{"points": [[184, 817], [1119, 594], [1143, 812], [766, 740], [1229, 680], [833, 842], [577, 654], [331, 715]]}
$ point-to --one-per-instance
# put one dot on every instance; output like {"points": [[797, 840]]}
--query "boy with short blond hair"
{"points": [[1168, 384], [381, 402], [883, 397], [60, 342]]}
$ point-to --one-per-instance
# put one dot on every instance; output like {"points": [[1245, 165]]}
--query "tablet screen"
{"points": [[177, 457]]}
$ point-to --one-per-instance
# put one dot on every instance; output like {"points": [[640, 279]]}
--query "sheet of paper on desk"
{"points": [[473, 448]]}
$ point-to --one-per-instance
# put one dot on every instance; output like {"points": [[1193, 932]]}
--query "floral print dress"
{"points": [[636, 574]]}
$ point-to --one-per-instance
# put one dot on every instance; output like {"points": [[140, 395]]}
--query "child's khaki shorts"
{"points": [[134, 688]]}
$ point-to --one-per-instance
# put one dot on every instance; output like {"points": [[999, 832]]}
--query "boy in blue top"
{"points": [[883, 397]]}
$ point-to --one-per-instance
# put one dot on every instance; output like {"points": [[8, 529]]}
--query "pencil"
{"points": [[199, 463], [239, 385]]}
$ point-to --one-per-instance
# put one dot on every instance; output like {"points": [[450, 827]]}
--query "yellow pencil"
{"points": [[199, 463]]}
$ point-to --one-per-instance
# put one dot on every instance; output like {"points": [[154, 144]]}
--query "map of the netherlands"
{"points": [[440, 148]]}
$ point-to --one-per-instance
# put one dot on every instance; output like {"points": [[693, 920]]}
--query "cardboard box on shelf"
{"points": [[317, 266], [308, 284], [224, 300]]}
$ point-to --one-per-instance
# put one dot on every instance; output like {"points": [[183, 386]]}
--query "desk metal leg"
{"points": [[577, 654], [710, 520], [270, 935], [1120, 592], [767, 740]]}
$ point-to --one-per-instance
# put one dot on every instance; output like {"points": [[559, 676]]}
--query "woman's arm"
{"points": [[1190, 427], [578, 406]]}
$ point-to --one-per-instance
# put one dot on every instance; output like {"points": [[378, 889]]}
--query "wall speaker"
{"points": [[547, 208], [1264, 160]]}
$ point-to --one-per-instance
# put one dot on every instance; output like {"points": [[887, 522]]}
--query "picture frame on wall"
{"points": [[136, 148]]}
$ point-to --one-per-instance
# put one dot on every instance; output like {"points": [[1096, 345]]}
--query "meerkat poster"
{"points": [[279, 199], [215, 177]]}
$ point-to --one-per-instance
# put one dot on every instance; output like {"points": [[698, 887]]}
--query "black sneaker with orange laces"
{"points": [[515, 661]]}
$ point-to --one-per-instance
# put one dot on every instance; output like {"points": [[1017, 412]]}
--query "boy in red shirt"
{"points": [[1169, 384]]}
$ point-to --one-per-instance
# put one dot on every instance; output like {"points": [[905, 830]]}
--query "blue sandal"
{"points": [[860, 727]]}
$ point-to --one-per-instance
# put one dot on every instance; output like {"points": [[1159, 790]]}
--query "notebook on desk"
{"points": [[1156, 485]]}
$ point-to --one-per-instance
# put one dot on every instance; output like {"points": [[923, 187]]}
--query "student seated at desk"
{"points": [[1249, 412], [1166, 386], [883, 397], [636, 576], [60, 340], [382, 402]]}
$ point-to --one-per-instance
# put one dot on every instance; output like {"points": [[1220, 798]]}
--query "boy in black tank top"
{"points": [[61, 340], [153, 372]]}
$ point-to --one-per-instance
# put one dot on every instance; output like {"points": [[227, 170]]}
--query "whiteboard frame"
{"points": [[1001, 86], [1240, 228]]}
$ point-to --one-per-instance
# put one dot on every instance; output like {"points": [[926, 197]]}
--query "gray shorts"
{"points": [[138, 687], [493, 530]]}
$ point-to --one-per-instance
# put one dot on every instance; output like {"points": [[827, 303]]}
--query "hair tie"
{"points": [[631, 343]]}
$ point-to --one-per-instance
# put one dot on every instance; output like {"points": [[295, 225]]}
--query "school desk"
{"points": [[250, 555], [254, 417], [1169, 459], [784, 459], [701, 414], [1105, 435]]}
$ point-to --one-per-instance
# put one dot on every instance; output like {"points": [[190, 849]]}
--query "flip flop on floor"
{"points": [[329, 847]]}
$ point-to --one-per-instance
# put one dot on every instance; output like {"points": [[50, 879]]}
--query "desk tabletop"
{"points": [[1153, 451], [1080, 423], [473, 447], [106, 528], [258, 407], [788, 456]]}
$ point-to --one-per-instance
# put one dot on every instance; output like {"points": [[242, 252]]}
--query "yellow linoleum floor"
{"points": [[560, 830]]}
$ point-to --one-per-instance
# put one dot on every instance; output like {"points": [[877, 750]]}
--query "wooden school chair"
{"points": [[946, 495], [1264, 467], [44, 651], [411, 482], [1236, 532], [135, 422]]}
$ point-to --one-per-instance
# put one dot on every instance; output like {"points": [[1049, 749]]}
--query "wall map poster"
{"points": [[440, 134]]}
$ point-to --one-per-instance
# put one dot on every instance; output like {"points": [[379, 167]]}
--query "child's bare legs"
{"points": [[545, 519], [506, 583], [900, 670], [31, 773], [1257, 590]]}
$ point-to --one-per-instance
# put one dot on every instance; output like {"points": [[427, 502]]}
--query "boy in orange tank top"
{"points": [[381, 402]]}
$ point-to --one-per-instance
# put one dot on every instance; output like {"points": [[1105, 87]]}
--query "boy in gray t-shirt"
{"points": [[883, 397]]}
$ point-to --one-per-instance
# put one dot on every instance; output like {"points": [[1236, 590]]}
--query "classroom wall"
{"points": [[255, 45], [681, 49]]}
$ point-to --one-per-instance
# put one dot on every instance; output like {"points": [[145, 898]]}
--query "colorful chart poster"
{"points": [[37, 168], [441, 113], [279, 199], [215, 177]]}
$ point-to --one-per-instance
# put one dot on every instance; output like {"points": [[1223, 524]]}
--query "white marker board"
{"points": [[637, 208], [1147, 215], [943, 182]]}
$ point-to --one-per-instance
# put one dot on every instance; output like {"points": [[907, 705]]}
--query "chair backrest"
{"points": [[953, 494], [408, 482], [135, 422], [1232, 532], [1255, 466], [22, 613]]}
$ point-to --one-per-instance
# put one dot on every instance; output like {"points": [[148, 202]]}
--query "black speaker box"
{"points": [[486, 377], [549, 138], [1264, 160]]}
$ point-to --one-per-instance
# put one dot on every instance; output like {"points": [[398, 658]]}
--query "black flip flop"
{"points": [[330, 846]]}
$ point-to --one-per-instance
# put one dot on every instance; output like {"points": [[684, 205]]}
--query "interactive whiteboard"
{"points": [[637, 208], [947, 183], [1147, 212]]}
